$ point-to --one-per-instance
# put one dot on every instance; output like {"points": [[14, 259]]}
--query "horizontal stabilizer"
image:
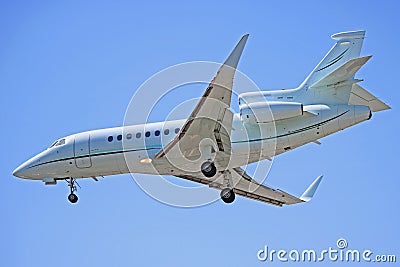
{"points": [[360, 96], [309, 193], [343, 73]]}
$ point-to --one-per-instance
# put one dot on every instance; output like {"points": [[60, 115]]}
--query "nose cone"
{"points": [[32, 169], [26, 170], [21, 171]]}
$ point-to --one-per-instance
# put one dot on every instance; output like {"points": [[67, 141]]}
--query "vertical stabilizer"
{"points": [[347, 47]]}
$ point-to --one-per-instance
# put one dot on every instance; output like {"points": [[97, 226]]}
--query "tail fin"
{"points": [[347, 47]]}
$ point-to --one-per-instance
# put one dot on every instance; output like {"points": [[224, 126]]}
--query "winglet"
{"points": [[234, 57], [309, 193]]}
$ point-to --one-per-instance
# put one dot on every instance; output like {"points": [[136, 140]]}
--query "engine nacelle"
{"points": [[264, 112]]}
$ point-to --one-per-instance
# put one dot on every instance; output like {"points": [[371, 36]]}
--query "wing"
{"points": [[243, 185], [209, 125]]}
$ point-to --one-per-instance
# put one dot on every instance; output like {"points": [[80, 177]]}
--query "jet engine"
{"points": [[264, 112]]}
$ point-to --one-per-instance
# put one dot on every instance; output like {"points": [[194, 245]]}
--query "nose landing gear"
{"points": [[72, 197]]}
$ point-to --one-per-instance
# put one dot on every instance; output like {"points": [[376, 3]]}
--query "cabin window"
{"points": [[147, 134], [280, 97], [110, 138], [119, 137], [138, 135], [177, 130], [157, 133], [129, 136], [166, 131]]}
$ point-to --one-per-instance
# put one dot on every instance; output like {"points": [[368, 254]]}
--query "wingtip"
{"points": [[245, 37], [234, 57], [309, 193]]}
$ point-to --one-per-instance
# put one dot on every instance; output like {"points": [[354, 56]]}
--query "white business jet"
{"points": [[212, 144]]}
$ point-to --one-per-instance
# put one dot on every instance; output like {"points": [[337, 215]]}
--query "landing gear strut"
{"points": [[72, 197], [208, 169], [227, 195]]}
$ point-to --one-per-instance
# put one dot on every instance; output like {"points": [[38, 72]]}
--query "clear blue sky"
{"points": [[71, 66]]}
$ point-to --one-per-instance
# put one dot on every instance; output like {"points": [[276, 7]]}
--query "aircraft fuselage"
{"points": [[104, 152]]}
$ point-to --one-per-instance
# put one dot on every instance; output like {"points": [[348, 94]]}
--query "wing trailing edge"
{"points": [[245, 186], [211, 113]]}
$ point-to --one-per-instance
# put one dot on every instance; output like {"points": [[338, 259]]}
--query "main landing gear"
{"points": [[227, 195], [72, 197], [208, 169]]}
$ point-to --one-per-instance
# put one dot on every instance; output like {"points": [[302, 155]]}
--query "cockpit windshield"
{"points": [[58, 143]]}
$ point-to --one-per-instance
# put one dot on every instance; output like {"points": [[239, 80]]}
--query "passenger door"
{"points": [[82, 151]]}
